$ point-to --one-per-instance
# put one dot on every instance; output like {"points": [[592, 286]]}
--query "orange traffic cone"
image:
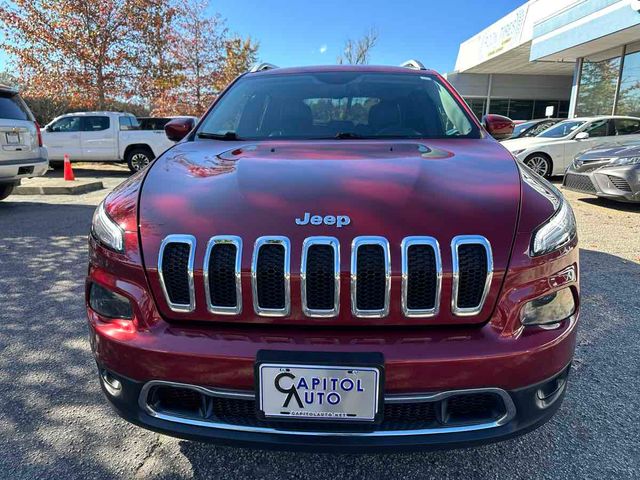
{"points": [[68, 171]]}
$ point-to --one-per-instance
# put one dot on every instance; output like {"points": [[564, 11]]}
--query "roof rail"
{"points": [[415, 64], [259, 67]]}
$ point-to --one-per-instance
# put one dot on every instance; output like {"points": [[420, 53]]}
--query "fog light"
{"points": [[108, 303], [111, 384], [551, 308]]}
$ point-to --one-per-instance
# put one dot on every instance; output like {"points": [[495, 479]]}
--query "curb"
{"points": [[59, 189]]}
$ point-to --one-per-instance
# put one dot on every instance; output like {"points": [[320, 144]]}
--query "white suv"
{"points": [[21, 152]]}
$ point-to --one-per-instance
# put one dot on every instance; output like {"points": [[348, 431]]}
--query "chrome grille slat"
{"points": [[286, 269], [357, 243], [189, 240], [456, 243], [220, 240], [377, 265], [307, 245], [417, 241]]}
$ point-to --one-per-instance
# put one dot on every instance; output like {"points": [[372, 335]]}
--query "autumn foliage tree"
{"points": [[166, 55], [155, 69], [76, 49]]}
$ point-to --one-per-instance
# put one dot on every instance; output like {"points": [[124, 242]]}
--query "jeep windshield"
{"points": [[337, 105]]}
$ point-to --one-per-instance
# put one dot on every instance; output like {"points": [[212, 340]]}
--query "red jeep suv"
{"points": [[335, 258]]}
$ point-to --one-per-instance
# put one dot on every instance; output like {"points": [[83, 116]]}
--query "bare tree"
{"points": [[356, 52]]}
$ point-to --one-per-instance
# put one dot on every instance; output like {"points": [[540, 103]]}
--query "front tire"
{"points": [[6, 190], [539, 163], [138, 158]]}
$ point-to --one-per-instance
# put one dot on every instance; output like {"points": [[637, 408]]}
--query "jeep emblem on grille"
{"points": [[337, 220]]}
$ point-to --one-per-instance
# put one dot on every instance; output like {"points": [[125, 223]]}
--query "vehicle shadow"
{"points": [[577, 443]]}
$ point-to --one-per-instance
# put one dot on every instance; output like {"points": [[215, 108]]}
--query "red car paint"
{"points": [[390, 188]]}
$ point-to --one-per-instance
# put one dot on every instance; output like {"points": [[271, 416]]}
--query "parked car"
{"points": [[157, 124], [21, 152], [611, 171], [532, 128], [102, 137], [553, 150], [335, 258]]}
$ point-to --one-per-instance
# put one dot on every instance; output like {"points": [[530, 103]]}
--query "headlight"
{"points": [[625, 161], [560, 228], [515, 153], [106, 231], [550, 308]]}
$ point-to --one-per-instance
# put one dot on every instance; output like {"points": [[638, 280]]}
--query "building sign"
{"points": [[503, 35]]}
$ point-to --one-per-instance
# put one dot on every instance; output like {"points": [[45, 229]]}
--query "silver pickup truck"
{"points": [[21, 152]]}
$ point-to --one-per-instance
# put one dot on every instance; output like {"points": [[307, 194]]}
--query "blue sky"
{"points": [[311, 33], [299, 32]]}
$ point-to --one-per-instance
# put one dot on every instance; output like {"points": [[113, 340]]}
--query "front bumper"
{"points": [[528, 408], [416, 360], [13, 171], [620, 183]]}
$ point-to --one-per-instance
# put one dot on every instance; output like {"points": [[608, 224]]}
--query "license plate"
{"points": [[319, 392], [13, 138]]}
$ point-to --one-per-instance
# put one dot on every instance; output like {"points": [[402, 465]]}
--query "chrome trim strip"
{"points": [[335, 244], [214, 392], [506, 418], [455, 244], [191, 241], [433, 243], [355, 245], [260, 242], [217, 240]]}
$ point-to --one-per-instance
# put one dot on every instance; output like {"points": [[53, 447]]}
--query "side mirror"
{"points": [[581, 136], [47, 128], [497, 126], [178, 128]]}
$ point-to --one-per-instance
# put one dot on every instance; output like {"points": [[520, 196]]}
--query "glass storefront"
{"points": [[478, 105], [629, 95], [519, 109], [597, 88], [609, 81]]}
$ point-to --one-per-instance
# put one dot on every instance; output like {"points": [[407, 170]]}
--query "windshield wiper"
{"points": [[219, 136], [347, 135]]}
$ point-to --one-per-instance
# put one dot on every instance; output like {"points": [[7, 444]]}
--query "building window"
{"points": [[520, 109], [597, 88], [499, 106], [478, 105], [629, 95]]}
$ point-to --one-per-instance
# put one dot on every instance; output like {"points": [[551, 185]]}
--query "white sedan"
{"points": [[553, 150]]}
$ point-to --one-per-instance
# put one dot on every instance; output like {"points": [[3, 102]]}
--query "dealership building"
{"points": [[581, 57]]}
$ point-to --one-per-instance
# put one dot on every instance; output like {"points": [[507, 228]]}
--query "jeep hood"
{"points": [[395, 189]]}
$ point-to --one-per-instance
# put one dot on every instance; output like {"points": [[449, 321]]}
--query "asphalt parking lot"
{"points": [[54, 422]]}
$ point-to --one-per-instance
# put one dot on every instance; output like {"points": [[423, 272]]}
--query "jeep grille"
{"points": [[472, 270]]}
